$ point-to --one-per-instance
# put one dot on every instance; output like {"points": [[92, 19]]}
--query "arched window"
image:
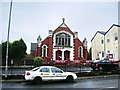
{"points": [[80, 52], [62, 39], [44, 51]]}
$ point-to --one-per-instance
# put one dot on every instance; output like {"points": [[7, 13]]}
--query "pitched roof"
{"points": [[103, 33], [112, 26], [62, 27]]}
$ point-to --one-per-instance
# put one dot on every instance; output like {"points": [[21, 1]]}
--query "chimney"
{"points": [[39, 41], [85, 43], [76, 34], [50, 33]]}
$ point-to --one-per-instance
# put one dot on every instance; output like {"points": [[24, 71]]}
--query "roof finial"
{"points": [[63, 20]]}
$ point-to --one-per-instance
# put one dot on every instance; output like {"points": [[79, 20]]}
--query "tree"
{"points": [[90, 54], [28, 57], [38, 61], [18, 49], [4, 47]]}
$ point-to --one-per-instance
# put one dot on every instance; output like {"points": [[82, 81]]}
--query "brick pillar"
{"points": [[50, 48], [39, 51]]}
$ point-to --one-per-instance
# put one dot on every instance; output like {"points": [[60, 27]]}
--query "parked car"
{"points": [[44, 73], [104, 65]]}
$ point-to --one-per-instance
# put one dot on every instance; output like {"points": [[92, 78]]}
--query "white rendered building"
{"points": [[106, 44]]}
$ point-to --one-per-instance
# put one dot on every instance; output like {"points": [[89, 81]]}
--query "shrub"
{"points": [[106, 58], [38, 61]]}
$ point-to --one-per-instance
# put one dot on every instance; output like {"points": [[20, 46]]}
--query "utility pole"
{"points": [[6, 67]]}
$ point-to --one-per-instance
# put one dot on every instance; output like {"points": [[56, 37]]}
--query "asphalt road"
{"points": [[101, 82]]}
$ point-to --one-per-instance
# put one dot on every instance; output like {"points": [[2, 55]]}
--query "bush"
{"points": [[38, 61], [106, 58]]}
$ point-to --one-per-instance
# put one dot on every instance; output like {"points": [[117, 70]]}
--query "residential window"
{"points": [[62, 39], [108, 38], [44, 51], [80, 52], [102, 41], [102, 54], [115, 36], [108, 51]]}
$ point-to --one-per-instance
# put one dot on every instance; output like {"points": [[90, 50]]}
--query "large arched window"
{"points": [[62, 39], [80, 52], [44, 51]]}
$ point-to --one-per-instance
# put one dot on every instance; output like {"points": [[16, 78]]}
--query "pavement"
{"points": [[79, 78]]}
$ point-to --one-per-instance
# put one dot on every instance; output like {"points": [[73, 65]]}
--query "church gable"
{"points": [[63, 27], [61, 44]]}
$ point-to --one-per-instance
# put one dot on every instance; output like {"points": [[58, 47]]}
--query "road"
{"points": [[100, 82]]}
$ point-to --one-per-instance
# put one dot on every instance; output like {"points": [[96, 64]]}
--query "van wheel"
{"points": [[69, 79], [37, 80]]}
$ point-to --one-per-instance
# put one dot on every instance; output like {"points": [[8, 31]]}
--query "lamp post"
{"points": [[6, 67]]}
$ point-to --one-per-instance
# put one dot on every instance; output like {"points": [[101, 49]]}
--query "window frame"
{"points": [[108, 38], [80, 52], [115, 36], [44, 51], [44, 71], [62, 39], [60, 71]]}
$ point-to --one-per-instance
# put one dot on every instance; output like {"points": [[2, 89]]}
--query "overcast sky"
{"points": [[31, 19]]}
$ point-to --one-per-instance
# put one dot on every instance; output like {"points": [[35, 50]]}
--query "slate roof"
{"points": [[102, 32]]}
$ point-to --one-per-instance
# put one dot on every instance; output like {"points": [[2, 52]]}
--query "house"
{"points": [[106, 44], [60, 44]]}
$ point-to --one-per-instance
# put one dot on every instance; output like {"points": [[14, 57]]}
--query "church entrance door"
{"points": [[67, 55], [58, 55]]}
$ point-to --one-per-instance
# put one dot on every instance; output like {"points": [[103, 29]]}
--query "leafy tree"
{"points": [[18, 49], [28, 57], [38, 61], [90, 54], [4, 47]]}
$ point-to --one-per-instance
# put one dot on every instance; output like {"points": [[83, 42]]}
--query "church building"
{"points": [[60, 44]]}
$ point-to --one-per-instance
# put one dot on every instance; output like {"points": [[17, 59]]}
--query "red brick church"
{"points": [[60, 44]]}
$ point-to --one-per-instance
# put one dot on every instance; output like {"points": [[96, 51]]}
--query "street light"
{"points": [[6, 67]]}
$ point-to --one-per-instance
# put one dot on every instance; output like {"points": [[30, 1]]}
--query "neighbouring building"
{"points": [[61, 44], [106, 44]]}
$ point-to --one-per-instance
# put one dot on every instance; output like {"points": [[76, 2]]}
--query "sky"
{"points": [[31, 19]]}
